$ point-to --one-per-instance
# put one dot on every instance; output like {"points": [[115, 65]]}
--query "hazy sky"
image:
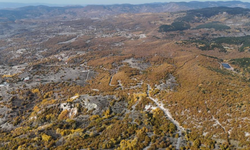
{"points": [[99, 1]]}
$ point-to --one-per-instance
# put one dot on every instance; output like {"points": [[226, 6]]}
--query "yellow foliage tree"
{"points": [[63, 115], [128, 144], [46, 137]]}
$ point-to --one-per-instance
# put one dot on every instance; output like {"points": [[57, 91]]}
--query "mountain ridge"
{"points": [[91, 11], [125, 79]]}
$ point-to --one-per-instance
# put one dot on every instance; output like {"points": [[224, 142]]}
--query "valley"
{"points": [[140, 80]]}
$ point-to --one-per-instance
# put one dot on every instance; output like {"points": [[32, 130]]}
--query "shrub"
{"points": [[63, 115], [46, 138]]}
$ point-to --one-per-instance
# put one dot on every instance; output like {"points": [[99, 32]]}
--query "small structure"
{"points": [[26, 79], [5, 84]]}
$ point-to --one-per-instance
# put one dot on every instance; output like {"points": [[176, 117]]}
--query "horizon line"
{"points": [[181, 1]]}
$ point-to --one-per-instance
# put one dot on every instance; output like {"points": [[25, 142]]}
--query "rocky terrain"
{"points": [[125, 79]]}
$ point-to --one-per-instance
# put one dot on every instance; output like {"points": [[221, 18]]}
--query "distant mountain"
{"points": [[197, 14], [33, 12], [106, 10], [6, 5], [103, 10]]}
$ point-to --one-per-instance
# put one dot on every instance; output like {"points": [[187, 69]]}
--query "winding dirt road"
{"points": [[169, 116]]}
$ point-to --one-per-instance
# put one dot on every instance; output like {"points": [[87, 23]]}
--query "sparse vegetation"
{"points": [[117, 83], [213, 25]]}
